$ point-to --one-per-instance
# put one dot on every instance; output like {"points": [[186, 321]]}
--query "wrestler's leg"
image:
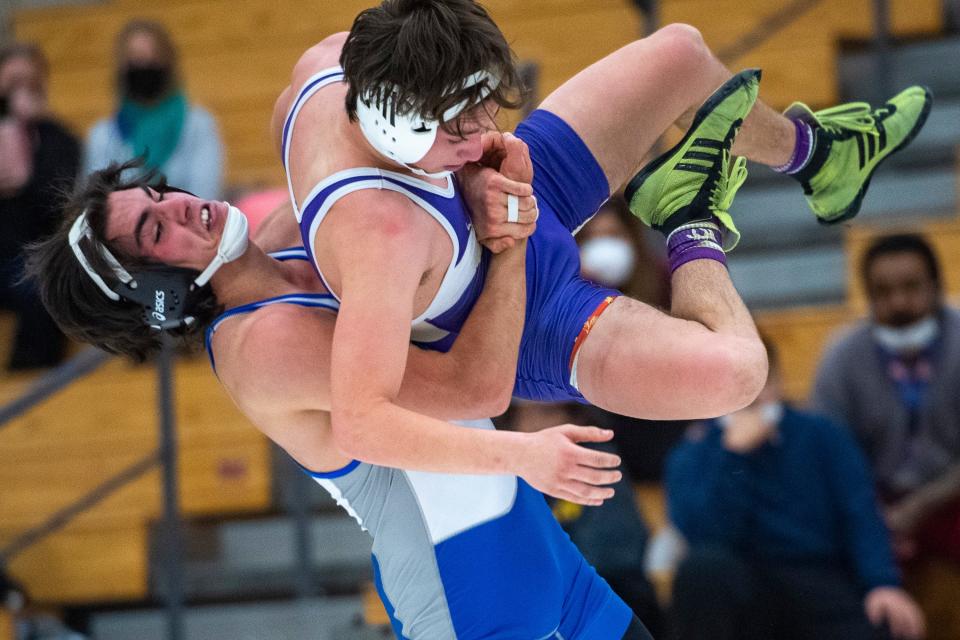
{"points": [[703, 359], [622, 104]]}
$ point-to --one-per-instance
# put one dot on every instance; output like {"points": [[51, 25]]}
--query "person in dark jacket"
{"points": [[784, 532], [39, 160]]}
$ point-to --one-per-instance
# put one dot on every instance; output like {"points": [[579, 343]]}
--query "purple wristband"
{"points": [[702, 240]]}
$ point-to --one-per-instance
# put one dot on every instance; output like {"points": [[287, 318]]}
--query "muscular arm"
{"points": [[475, 378], [381, 257], [280, 378]]}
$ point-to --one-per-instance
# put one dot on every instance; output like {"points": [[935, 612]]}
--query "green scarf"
{"points": [[153, 131]]}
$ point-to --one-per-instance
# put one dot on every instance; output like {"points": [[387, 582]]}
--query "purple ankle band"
{"points": [[801, 150], [702, 240]]}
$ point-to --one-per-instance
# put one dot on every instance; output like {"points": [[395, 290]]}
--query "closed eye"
{"points": [[158, 230]]}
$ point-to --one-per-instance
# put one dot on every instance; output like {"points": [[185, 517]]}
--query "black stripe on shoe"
{"points": [[707, 143], [696, 168]]}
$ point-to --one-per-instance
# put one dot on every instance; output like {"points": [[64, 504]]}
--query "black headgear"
{"points": [[161, 290]]}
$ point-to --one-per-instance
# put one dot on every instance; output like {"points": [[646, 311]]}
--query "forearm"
{"points": [[475, 378], [386, 434]]}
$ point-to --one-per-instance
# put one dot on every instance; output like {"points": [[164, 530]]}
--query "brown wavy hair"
{"points": [[425, 49]]}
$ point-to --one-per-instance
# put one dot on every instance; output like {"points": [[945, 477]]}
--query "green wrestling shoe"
{"points": [[851, 142], [695, 180]]}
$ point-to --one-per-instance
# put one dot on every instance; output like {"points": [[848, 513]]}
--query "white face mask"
{"points": [[909, 339], [607, 260], [771, 413], [233, 243]]}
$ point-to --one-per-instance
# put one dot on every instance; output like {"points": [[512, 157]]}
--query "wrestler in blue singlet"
{"points": [[570, 187], [465, 557]]}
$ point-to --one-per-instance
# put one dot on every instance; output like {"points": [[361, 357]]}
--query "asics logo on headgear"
{"points": [[158, 305]]}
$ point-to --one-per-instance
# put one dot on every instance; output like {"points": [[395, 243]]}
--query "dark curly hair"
{"points": [[426, 48], [76, 303]]}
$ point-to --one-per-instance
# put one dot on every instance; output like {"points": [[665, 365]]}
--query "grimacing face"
{"points": [[173, 228], [901, 289], [451, 152]]}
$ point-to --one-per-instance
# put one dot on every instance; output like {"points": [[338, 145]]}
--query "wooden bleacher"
{"points": [[92, 430], [800, 334], [7, 631]]}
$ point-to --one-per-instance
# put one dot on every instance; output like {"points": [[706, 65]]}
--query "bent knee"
{"points": [[746, 364], [682, 44]]}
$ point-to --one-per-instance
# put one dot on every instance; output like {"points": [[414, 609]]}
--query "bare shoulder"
{"points": [[380, 213], [279, 354], [323, 55]]}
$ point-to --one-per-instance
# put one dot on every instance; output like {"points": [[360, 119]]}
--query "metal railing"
{"points": [[57, 379]]}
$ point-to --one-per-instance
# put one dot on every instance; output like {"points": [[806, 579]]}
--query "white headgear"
{"points": [[406, 137]]}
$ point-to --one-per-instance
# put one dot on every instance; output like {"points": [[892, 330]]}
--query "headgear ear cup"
{"points": [[150, 286]]}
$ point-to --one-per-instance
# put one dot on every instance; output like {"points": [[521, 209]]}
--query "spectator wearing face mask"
{"points": [[154, 119], [784, 531], [613, 254], [39, 159], [895, 379]]}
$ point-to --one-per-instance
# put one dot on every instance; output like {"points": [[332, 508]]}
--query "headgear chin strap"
{"points": [[162, 290], [405, 136], [233, 243]]}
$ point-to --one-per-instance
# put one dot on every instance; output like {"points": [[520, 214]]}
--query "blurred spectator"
{"points": [[614, 253], [784, 531], [39, 160], [257, 204], [894, 379], [612, 537], [154, 119]]}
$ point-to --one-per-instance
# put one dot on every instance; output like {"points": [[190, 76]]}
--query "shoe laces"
{"points": [[732, 178], [853, 116]]}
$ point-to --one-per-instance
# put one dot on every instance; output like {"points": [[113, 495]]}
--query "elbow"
{"points": [[747, 369], [499, 403], [490, 395]]}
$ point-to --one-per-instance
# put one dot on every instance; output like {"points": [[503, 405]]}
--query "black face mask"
{"points": [[146, 83]]}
